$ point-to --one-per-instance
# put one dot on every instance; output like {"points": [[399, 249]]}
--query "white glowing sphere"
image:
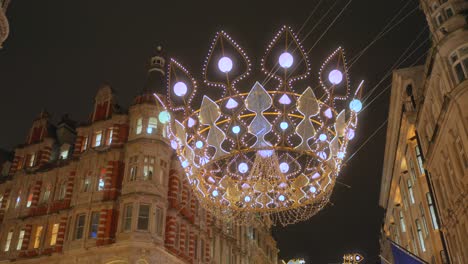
{"points": [[164, 117], [225, 64], [247, 199], [265, 153], [191, 122], [312, 189], [358, 257], [323, 137], [243, 167], [149, 130], [284, 167], [199, 144], [340, 155], [355, 105], [185, 164], [286, 60], [215, 193], [335, 77], [281, 198], [236, 129], [180, 89], [328, 113], [284, 125], [174, 144]]}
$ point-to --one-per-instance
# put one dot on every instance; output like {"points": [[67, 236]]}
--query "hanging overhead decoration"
{"points": [[254, 151]]}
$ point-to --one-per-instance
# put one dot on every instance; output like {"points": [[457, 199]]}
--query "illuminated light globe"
{"points": [[355, 105], [225, 64], [261, 154], [180, 89], [335, 77], [164, 117], [285, 60]]}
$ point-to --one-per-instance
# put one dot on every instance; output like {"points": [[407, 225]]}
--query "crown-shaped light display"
{"points": [[268, 151]]}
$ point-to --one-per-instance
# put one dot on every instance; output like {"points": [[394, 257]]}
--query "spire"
{"points": [[155, 82]]}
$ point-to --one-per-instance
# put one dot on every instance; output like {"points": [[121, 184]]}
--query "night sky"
{"points": [[59, 52]]}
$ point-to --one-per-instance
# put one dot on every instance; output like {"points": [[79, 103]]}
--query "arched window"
{"points": [[152, 125], [459, 62], [139, 126]]}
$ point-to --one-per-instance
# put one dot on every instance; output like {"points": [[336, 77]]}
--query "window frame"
{"points": [[37, 236], [127, 217], [457, 58], [9, 237], [54, 234], [92, 225], [19, 243], [141, 218], [79, 226]]}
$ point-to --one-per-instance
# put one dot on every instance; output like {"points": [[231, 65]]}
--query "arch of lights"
{"points": [[261, 152]]}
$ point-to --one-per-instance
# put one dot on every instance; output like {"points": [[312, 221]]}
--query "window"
{"points": [[20, 239], [64, 154], [18, 199], [440, 20], [37, 237], [110, 131], [101, 183], [86, 184], [148, 168], [84, 146], [133, 168], [461, 152], [62, 190], [412, 171], [139, 126], [97, 138], [32, 160], [410, 191], [127, 221], [152, 124], [159, 221], [449, 12], [459, 61], [143, 217], [94, 225], [30, 198], [432, 211], [420, 160], [53, 237], [8, 240], [420, 236], [46, 194], [79, 226], [423, 218]]}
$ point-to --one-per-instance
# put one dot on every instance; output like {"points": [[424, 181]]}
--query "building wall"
{"points": [[120, 196], [427, 142]]}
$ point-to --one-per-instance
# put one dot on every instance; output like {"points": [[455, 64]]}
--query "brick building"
{"points": [[112, 191], [425, 176]]}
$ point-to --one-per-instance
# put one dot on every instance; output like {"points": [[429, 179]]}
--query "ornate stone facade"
{"points": [[425, 178], [112, 191]]}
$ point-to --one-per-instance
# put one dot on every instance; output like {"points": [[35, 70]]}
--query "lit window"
{"points": [[402, 222], [97, 138], [8, 240], [461, 152], [148, 168], [410, 191], [46, 194], [53, 237], [94, 225], [20, 239], [419, 159], [37, 237], [1, 200], [85, 144], [110, 132], [127, 221], [459, 61], [159, 221], [143, 217], [152, 124], [32, 160], [79, 226], [101, 182], [432, 211], [86, 184], [412, 170], [18, 199], [420, 236], [30, 199], [64, 154], [133, 168], [139, 126]]}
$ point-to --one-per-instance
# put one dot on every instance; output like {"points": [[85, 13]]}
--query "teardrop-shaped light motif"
{"points": [[333, 76], [226, 64], [285, 59], [258, 101], [181, 86]]}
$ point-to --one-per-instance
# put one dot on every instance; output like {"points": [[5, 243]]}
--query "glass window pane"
{"points": [[143, 217], [94, 225]]}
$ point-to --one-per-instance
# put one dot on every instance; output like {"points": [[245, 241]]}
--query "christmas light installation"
{"points": [[267, 152]]}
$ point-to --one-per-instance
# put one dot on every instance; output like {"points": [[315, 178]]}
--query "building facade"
{"points": [[425, 176], [111, 191]]}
